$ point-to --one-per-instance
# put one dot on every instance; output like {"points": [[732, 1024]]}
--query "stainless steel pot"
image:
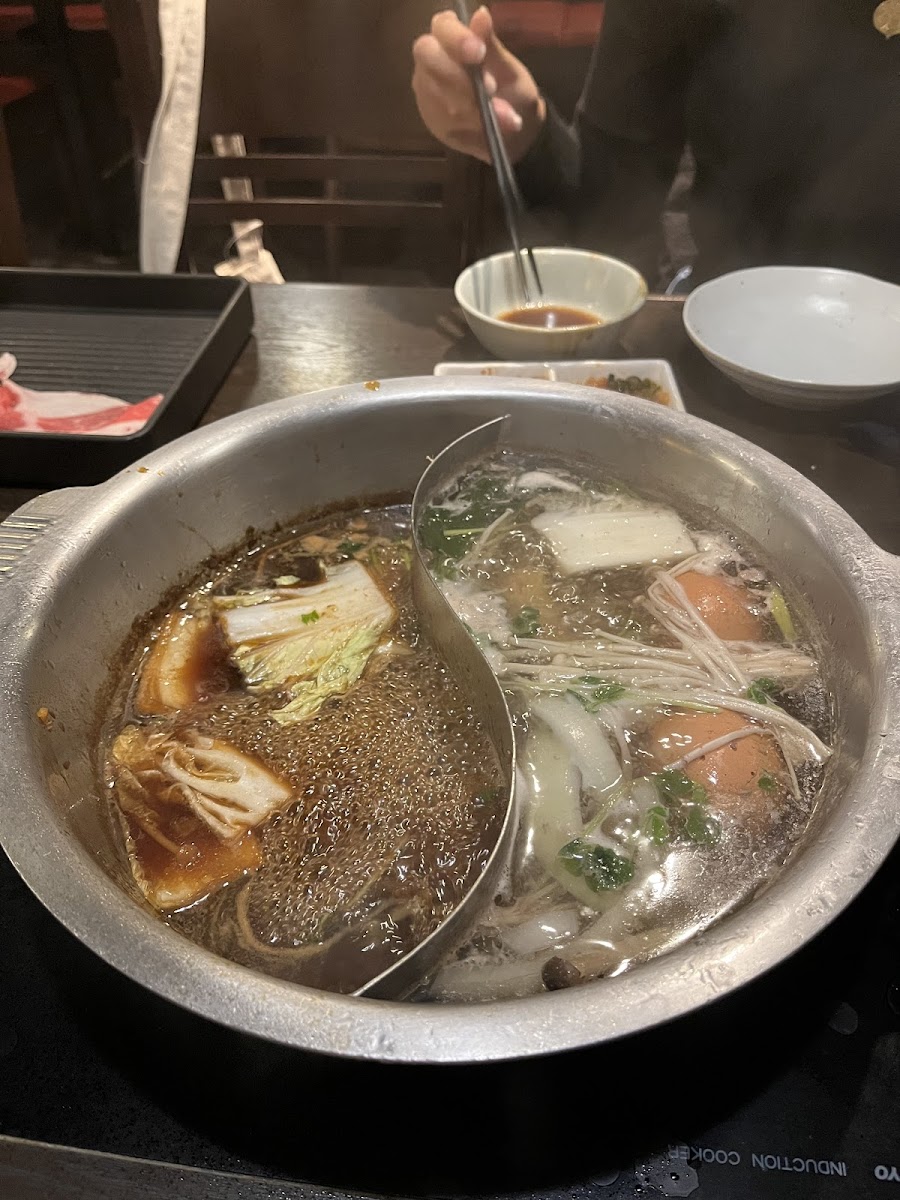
{"points": [[79, 566]]}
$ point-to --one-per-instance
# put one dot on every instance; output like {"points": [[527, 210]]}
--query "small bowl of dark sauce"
{"points": [[587, 300]]}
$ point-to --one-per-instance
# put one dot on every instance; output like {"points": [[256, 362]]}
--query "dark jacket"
{"points": [[790, 107]]}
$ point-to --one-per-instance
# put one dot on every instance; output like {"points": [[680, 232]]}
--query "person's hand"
{"points": [[445, 95]]}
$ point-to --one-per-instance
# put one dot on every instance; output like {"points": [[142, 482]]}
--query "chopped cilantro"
{"points": [[310, 618], [762, 690], [599, 692], [701, 827], [656, 825], [675, 785], [448, 533], [766, 783], [684, 810], [602, 869], [349, 547], [527, 623]]}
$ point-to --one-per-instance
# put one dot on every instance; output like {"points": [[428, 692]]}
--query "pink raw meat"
{"points": [[24, 411]]}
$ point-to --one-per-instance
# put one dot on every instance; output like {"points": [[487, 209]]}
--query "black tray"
{"points": [[119, 334]]}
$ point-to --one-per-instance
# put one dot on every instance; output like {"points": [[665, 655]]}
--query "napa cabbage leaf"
{"points": [[310, 643]]}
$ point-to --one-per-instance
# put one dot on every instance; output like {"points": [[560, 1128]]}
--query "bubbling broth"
{"points": [[671, 719], [300, 783], [303, 788]]}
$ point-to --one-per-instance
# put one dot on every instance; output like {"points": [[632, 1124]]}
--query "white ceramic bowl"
{"points": [[610, 289], [800, 337]]}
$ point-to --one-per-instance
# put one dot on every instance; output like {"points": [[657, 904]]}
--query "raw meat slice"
{"points": [[26, 411]]}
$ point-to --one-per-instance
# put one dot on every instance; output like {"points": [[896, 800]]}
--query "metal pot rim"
{"points": [[738, 949]]}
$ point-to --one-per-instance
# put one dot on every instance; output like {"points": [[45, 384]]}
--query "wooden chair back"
{"points": [[320, 92]]}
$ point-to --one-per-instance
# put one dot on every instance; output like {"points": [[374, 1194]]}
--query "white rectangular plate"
{"points": [[656, 369]]}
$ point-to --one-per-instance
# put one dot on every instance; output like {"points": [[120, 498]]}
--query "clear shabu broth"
{"points": [[670, 719]]}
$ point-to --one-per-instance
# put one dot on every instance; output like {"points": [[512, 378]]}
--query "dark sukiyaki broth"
{"points": [[300, 783], [671, 720]]}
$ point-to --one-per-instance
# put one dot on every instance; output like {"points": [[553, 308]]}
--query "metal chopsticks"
{"points": [[513, 205]]}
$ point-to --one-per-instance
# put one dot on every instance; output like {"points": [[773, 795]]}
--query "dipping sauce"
{"points": [[550, 316]]}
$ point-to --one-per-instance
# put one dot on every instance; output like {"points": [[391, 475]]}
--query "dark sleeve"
{"points": [[610, 172]]}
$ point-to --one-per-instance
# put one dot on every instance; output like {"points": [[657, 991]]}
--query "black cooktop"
{"points": [[789, 1089]]}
